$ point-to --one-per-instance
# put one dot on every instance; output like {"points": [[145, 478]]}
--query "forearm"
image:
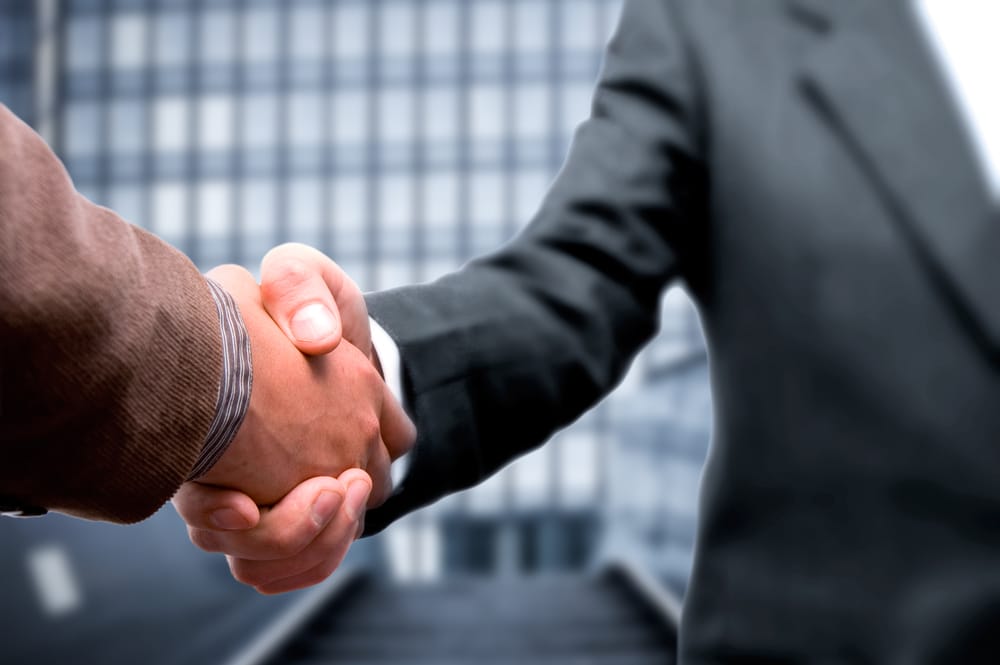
{"points": [[500, 355], [111, 352], [510, 368]]}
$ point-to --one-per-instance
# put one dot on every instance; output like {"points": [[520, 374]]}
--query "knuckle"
{"points": [[359, 368], [280, 276], [203, 539], [370, 428], [290, 542], [363, 371]]}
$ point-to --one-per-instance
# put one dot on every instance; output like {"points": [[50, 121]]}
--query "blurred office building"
{"points": [[17, 64], [401, 137]]}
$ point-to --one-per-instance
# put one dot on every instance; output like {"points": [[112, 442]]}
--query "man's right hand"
{"points": [[301, 539], [308, 416]]}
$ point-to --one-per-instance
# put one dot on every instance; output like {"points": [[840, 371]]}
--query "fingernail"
{"points": [[228, 519], [325, 505], [313, 323], [357, 499]]}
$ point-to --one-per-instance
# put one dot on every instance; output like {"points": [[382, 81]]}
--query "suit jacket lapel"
{"points": [[873, 78]]}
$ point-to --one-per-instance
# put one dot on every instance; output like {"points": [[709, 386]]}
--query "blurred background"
{"points": [[402, 137]]}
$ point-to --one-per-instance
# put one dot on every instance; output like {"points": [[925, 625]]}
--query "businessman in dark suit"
{"points": [[815, 176]]}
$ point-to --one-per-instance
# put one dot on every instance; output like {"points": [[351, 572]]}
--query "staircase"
{"points": [[607, 619]]}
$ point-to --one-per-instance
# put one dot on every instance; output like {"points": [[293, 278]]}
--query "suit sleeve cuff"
{"points": [[235, 383]]}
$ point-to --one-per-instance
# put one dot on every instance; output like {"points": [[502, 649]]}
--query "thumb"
{"points": [[298, 290]]}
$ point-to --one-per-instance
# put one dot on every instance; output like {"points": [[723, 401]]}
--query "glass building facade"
{"points": [[17, 58], [401, 137]]}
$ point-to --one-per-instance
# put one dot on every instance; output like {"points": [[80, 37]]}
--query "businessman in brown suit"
{"points": [[124, 372]]}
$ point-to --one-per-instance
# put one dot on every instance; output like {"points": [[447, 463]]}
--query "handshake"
{"points": [[288, 497], [89, 366]]}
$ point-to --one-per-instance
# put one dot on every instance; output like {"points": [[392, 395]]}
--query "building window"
{"points": [[217, 36], [308, 32], [172, 42], [127, 126], [261, 36], [82, 128], [215, 123], [128, 40], [85, 37]]}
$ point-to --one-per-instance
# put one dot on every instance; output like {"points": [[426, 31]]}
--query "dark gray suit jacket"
{"points": [[802, 168]]}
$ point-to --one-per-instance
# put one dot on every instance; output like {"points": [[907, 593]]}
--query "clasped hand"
{"points": [[271, 503]]}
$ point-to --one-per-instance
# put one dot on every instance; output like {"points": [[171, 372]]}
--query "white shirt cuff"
{"points": [[388, 357]]}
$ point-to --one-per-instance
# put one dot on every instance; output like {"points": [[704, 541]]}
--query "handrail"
{"points": [[659, 371], [656, 596]]}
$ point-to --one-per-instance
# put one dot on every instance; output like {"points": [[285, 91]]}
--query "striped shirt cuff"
{"points": [[235, 384]]}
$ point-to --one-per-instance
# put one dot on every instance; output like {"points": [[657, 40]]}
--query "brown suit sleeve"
{"points": [[110, 354]]}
